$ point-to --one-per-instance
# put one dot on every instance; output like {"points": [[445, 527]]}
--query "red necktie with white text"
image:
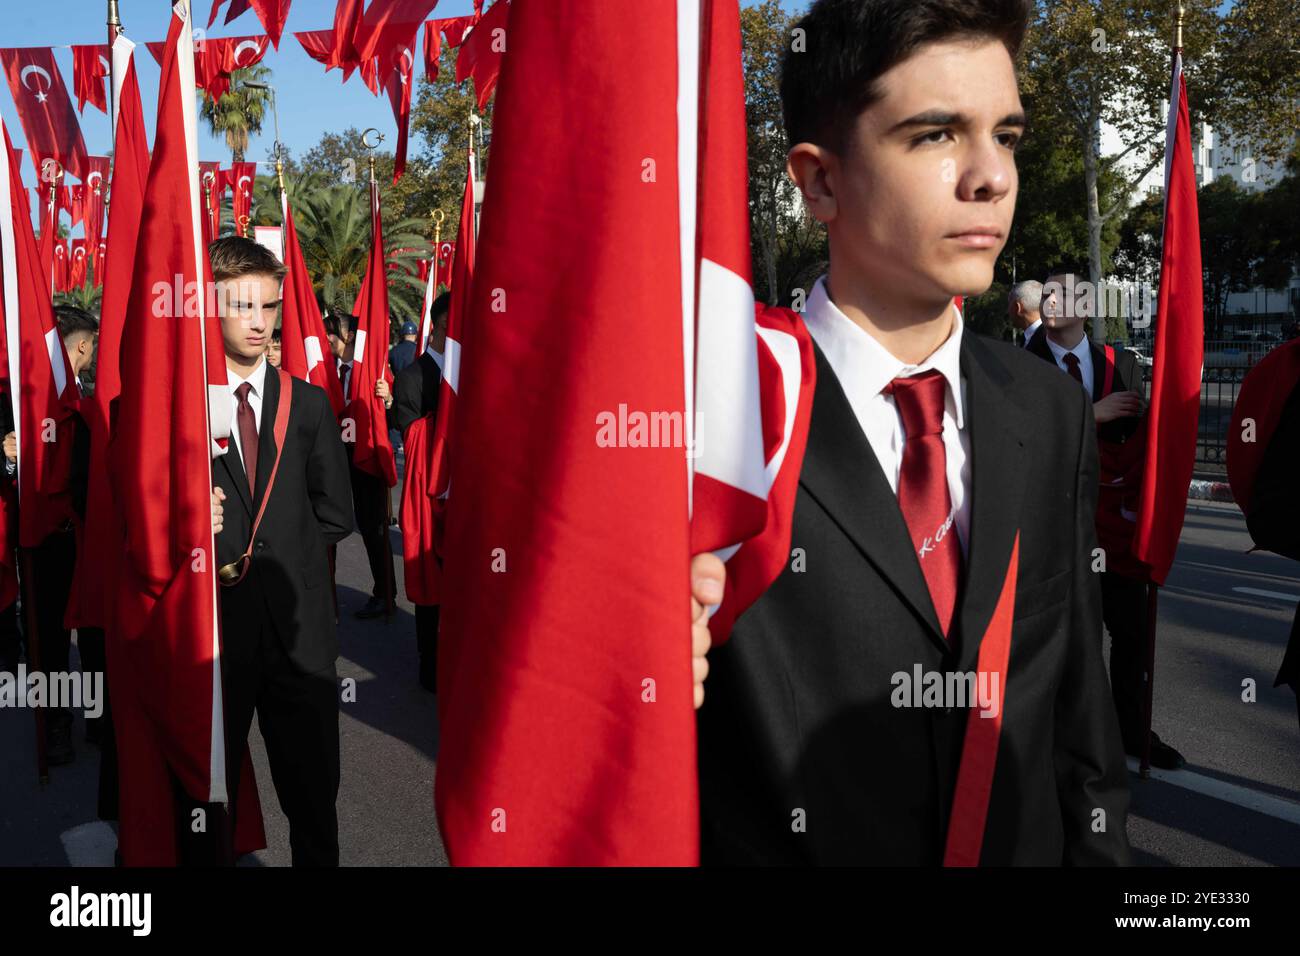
{"points": [[923, 488]]}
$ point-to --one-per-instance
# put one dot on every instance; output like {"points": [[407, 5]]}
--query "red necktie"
{"points": [[1072, 366], [247, 435], [923, 488]]}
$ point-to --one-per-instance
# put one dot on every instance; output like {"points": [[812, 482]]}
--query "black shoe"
{"points": [[375, 607], [58, 744], [1163, 756]]}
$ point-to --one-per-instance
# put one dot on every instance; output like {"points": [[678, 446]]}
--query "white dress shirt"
{"points": [[864, 367], [1083, 352], [257, 379]]}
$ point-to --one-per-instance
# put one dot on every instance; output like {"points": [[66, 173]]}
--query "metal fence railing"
{"points": [[1226, 365]]}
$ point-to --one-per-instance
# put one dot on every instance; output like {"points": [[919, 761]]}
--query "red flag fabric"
{"points": [[96, 186], [272, 13], [47, 203], [481, 52], [303, 341], [373, 452], [319, 45], [98, 268], [432, 48], [1179, 351], [456, 29], [42, 387], [61, 273], [400, 81], [388, 27], [591, 764], [79, 265], [418, 515], [1256, 414], [166, 632], [347, 23], [89, 68], [218, 60], [47, 115], [240, 177]]}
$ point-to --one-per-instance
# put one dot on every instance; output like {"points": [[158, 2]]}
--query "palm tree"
{"points": [[240, 113], [333, 225]]}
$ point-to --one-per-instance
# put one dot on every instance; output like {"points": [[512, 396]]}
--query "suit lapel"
{"points": [[234, 466], [996, 426], [1098, 371], [266, 433], [842, 473]]}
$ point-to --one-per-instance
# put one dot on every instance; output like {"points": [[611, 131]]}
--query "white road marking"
{"points": [[1274, 595], [91, 844], [1265, 803]]}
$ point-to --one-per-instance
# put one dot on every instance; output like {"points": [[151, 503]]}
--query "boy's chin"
{"points": [[968, 279]]}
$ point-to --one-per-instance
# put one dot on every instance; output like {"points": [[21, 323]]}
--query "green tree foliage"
{"points": [[241, 112]]}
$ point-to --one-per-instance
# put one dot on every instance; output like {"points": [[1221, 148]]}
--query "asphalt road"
{"points": [[1237, 802]]}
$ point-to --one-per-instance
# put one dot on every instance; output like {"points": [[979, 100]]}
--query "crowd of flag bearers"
{"points": [[872, 489]]}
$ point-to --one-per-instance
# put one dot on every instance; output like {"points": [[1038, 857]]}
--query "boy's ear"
{"points": [[808, 165]]}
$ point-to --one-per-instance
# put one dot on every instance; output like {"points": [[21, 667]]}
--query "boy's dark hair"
{"points": [[848, 44], [236, 256], [72, 319], [439, 308], [1068, 267], [275, 335], [335, 321]]}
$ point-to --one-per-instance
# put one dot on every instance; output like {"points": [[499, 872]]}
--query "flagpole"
{"points": [[114, 28], [1153, 589]]}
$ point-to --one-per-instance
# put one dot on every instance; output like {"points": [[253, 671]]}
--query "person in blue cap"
{"points": [[403, 353]]}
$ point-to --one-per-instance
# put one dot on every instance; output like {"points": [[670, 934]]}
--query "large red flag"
{"points": [[101, 248], [456, 29], [347, 23], [44, 393], [388, 27], [432, 48], [481, 52], [166, 624], [400, 81], [211, 181], [303, 342], [60, 270], [1179, 351], [373, 451], [77, 270], [545, 760], [47, 115], [89, 68], [218, 59]]}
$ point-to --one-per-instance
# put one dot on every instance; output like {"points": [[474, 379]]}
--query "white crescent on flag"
{"points": [[39, 71], [246, 45]]}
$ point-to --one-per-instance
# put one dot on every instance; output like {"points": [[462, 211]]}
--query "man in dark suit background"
{"points": [[1112, 379], [931, 452], [415, 396], [1024, 306], [279, 637]]}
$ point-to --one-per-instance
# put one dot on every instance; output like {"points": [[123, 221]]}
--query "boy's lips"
{"points": [[978, 237]]}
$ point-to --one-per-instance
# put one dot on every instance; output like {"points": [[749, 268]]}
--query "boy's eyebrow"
{"points": [[948, 118]]}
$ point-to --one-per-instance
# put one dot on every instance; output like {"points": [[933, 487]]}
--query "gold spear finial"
{"points": [[114, 20], [437, 216], [1178, 32]]}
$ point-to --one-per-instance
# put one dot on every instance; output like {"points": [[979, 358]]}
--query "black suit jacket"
{"points": [[415, 391], [1128, 375], [1273, 514], [798, 713], [288, 582]]}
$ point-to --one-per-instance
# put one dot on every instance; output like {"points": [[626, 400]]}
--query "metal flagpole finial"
{"points": [[371, 147], [279, 170], [1178, 32], [243, 226], [114, 20], [437, 216]]}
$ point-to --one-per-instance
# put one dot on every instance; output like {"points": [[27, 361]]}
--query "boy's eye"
{"points": [[1009, 140], [934, 136]]}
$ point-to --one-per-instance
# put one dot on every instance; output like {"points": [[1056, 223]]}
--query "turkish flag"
{"points": [[89, 68], [77, 271], [166, 633], [1179, 351], [373, 452], [218, 59], [272, 13], [481, 53], [101, 248], [48, 204], [42, 388], [400, 81], [48, 117], [432, 48], [60, 266], [97, 181], [456, 29], [319, 45], [240, 177], [388, 27], [347, 23], [303, 342]]}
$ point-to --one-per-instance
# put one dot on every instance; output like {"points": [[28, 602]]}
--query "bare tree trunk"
{"points": [[1098, 332], [774, 295]]}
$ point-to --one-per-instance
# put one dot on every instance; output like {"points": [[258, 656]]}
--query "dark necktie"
{"points": [[1072, 366], [247, 435], [923, 488], [345, 373]]}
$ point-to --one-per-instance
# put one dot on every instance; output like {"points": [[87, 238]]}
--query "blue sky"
{"points": [[311, 101]]}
